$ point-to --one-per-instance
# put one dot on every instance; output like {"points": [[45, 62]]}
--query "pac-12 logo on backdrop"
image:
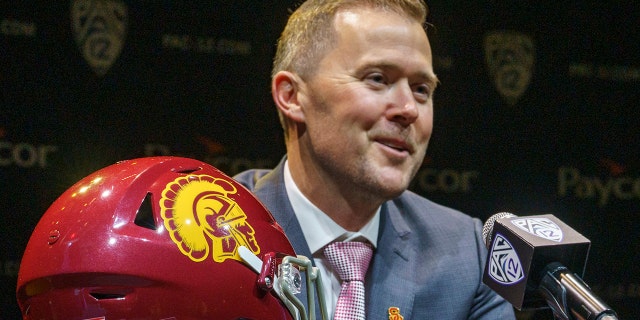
{"points": [[99, 28], [510, 58]]}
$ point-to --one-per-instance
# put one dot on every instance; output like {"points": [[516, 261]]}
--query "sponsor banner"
{"points": [[527, 114], [25, 155], [620, 73], [577, 184], [18, 28], [202, 44], [449, 181]]}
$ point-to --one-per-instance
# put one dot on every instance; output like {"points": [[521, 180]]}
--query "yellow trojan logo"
{"points": [[394, 314], [197, 211]]}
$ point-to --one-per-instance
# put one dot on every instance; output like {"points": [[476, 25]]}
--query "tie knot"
{"points": [[349, 259]]}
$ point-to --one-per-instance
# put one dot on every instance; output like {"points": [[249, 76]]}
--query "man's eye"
{"points": [[423, 89], [376, 77]]}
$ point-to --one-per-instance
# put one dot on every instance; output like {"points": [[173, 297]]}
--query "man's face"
{"points": [[368, 108]]}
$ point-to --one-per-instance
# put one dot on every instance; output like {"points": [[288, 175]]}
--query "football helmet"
{"points": [[162, 238]]}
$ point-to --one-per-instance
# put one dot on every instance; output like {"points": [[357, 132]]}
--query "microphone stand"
{"points": [[570, 298]]}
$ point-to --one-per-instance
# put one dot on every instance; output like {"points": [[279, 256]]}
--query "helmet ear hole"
{"points": [[107, 296], [144, 217], [188, 171]]}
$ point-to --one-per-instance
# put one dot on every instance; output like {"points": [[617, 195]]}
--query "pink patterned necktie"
{"points": [[351, 261]]}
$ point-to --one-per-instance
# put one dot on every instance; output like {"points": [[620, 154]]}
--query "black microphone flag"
{"points": [[521, 248]]}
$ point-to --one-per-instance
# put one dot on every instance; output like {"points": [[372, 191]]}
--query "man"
{"points": [[353, 83]]}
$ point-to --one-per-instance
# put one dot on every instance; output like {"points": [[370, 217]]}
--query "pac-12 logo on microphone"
{"points": [[540, 227], [505, 266]]}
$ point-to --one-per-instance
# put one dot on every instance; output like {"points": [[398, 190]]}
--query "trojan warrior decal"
{"points": [[99, 28], [510, 58], [201, 218]]}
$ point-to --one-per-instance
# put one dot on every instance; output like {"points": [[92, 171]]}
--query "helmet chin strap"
{"points": [[287, 282]]}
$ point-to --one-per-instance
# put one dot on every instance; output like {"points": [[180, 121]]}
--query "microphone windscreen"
{"points": [[488, 226]]}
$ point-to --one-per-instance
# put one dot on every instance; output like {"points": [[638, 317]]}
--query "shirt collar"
{"points": [[318, 228]]}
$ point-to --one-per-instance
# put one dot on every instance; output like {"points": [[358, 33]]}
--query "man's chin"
{"points": [[392, 188]]}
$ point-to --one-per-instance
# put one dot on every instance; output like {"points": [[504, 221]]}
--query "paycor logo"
{"points": [[444, 180], [25, 155], [572, 183]]}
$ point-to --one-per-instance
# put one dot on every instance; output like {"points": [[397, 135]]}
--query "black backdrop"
{"points": [[537, 111]]}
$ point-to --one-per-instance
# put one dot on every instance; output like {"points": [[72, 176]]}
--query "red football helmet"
{"points": [[160, 238]]}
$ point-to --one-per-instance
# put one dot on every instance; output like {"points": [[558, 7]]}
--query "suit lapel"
{"points": [[387, 284], [271, 191]]}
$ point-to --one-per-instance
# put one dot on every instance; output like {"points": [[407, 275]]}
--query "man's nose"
{"points": [[403, 106]]}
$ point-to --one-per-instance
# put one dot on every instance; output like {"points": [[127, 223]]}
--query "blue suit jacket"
{"points": [[428, 262]]}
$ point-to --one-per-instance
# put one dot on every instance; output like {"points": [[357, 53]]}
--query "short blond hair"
{"points": [[310, 34]]}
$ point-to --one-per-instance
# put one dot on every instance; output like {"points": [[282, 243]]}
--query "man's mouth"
{"points": [[398, 145]]}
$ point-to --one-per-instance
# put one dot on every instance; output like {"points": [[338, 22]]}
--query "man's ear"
{"points": [[285, 89]]}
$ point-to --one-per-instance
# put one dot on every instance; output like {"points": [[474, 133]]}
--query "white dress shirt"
{"points": [[319, 230]]}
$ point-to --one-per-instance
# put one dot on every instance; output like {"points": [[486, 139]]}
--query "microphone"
{"points": [[529, 265]]}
